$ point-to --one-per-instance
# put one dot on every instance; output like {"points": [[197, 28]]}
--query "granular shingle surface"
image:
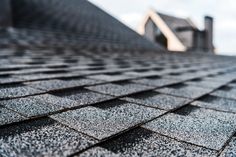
{"points": [[230, 150], [217, 103], [30, 106], [119, 89], [74, 81], [187, 91], [162, 101], [80, 97], [8, 117], [145, 143], [14, 92], [97, 152], [103, 123], [51, 85], [157, 82], [41, 138], [202, 127]]}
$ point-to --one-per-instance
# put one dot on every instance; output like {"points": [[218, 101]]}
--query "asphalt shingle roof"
{"points": [[67, 100]]}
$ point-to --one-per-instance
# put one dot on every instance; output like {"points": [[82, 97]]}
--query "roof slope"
{"points": [[93, 103], [67, 100], [76, 19]]}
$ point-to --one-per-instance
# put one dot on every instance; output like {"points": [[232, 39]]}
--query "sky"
{"points": [[131, 12]]}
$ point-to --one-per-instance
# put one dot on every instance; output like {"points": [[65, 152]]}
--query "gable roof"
{"points": [[179, 31], [176, 24]]}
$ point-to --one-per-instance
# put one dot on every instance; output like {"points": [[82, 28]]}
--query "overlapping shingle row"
{"points": [[126, 104]]}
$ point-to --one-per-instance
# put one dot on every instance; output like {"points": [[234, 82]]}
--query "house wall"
{"points": [[150, 30], [147, 29], [5, 13], [199, 40]]}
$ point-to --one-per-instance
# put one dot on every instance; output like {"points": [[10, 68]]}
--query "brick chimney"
{"points": [[5, 13], [209, 34]]}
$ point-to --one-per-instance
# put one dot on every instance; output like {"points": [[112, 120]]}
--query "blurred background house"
{"points": [[177, 34]]}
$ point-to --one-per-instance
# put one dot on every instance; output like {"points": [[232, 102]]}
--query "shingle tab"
{"points": [[80, 97], [17, 91], [157, 82], [186, 91], [142, 142], [203, 127], [43, 137], [50, 85], [217, 103], [142, 73], [119, 90], [9, 80], [230, 150], [97, 152], [111, 77], [8, 117], [205, 83], [101, 123], [162, 101], [30, 106], [226, 92]]}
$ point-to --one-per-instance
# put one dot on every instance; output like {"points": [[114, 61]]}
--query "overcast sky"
{"points": [[131, 12]]}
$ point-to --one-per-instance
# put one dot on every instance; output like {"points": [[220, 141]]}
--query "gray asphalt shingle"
{"points": [[80, 97], [156, 82], [43, 137], [230, 150], [119, 90], [101, 123], [217, 103], [186, 91], [145, 143], [202, 127], [50, 85], [17, 91], [90, 86], [8, 117], [30, 106], [162, 101]]}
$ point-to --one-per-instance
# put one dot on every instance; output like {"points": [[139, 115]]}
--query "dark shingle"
{"points": [[97, 152], [205, 83], [43, 137], [230, 150], [226, 92], [186, 91], [61, 84], [142, 142], [17, 91], [156, 82], [8, 117], [162, 101], [80, 97], [101, 123], [217, 103], [113, 77], [119, 89], [30, 106], [202, 127]]}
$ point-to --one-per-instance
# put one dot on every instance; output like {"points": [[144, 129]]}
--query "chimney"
{"points": [[209, 34], [5, 13]]}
